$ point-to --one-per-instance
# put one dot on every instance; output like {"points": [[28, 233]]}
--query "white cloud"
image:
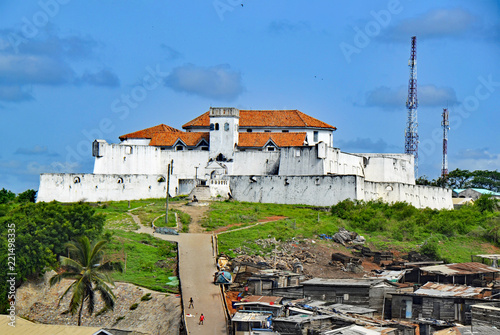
{"points": [[476, 159], [436, 23], [216, 82], [428, 95]]}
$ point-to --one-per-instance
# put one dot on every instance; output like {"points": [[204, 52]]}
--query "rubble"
{"points": [[343, 236]]}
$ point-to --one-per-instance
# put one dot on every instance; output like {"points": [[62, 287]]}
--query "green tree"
{"points": [[6, 196], [89, 270], [27, 196]]}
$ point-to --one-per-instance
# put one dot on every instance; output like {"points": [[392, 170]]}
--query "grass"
{"points": [[306, 222], [143, 255]]}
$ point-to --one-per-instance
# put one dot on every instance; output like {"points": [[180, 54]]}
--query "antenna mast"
{"points": [[446, 126], [411, 132]]}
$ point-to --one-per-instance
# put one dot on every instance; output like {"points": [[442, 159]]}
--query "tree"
{"points": [[6, 196], [27, 196], [90, 273]]}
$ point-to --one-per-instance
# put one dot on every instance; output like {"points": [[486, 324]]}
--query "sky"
{"points": [[73, 71]]}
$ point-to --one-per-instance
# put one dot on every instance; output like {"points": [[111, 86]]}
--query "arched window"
{"points": [[226, 126], [76, 180], [119, 180], [216, 126], [212, 127]]}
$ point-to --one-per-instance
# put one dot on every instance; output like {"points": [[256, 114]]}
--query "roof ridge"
{"points": [[300, 116]]}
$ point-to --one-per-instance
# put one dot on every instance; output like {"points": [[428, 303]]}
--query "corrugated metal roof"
{"points": [[459, 269], [443, 290], [27, 327], [250, 317], [342, 282]]}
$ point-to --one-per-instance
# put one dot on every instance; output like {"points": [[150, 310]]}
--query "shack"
{"points": [[359, 292], [303, 324], [275, 282], [248, 323], [438, 302], [486, 314], [459, 273], [261, 303]]}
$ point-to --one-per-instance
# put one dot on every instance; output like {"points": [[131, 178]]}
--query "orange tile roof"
{"points": [[258, 140], [169, 139], [149, 132], [266, 118]]}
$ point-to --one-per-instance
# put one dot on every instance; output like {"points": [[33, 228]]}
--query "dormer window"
{"points": [[271, 148], [179, 148]]}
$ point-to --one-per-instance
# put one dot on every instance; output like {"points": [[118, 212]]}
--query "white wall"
{"points": [[93, 188], [307, 190], [329, 190]]}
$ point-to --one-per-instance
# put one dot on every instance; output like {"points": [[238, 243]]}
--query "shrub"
{"points": [[134, 306]]}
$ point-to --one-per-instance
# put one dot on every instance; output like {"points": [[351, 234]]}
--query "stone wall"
{"points": [[68, 187], [329, 190]]}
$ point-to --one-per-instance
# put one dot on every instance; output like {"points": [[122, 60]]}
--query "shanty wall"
{"points": [[351, 295], [484, 315]]}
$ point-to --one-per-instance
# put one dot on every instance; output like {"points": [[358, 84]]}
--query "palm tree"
{"points": [[90, 275]]}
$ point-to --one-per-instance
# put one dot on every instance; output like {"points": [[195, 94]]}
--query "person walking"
{"points": [[191, 302], [202, 317]]}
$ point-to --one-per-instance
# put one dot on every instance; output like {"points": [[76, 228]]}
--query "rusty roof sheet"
{"points": [[262, 298], [459, 269], [443, 290]]}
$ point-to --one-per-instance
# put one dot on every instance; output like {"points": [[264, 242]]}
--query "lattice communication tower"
{"points": [[446, 126], [411, 132]]}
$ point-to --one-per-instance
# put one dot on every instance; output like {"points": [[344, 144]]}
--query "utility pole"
{"points": [[411, 132], [169, 168], [196, 175]]}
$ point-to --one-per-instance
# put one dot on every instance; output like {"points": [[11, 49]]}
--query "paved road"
{"points": [[196, 269]]}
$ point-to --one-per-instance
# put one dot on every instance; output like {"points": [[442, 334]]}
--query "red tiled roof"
{"points": [[149, 132], [169, 139], [266, 118], [258, 140]]}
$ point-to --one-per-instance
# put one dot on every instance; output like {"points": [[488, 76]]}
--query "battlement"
{"points": [[224, 111]]}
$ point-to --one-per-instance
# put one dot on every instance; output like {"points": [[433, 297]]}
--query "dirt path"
{"points": [[196, 269], [197, 213]]}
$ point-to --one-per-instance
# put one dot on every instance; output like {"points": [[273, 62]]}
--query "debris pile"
{"points": [[344, 237], [285, 256]]}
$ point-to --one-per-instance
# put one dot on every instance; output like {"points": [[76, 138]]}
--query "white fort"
{"points": [[272, 156]]}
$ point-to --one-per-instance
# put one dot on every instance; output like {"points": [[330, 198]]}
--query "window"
{"points": [[315, 137], [226, 126], [128, 150], [216, 126], [249, 130], [76, 180], [285, 131], [212, 127], [179, 148], [119, 180], [271, 148]]}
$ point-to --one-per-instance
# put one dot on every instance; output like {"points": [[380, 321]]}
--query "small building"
{"points": [[249, 323], [486, 314], [466, 330], [269, 282], [261, 303], [359, 292], [303, 324], [359, 330], [474, 193], [436, 301], [458, 273]]}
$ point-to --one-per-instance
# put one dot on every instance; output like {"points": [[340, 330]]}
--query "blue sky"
{"points": [[72, 71]]}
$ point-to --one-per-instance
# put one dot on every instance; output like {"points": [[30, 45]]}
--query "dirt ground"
{"points": [[320, 267]]}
